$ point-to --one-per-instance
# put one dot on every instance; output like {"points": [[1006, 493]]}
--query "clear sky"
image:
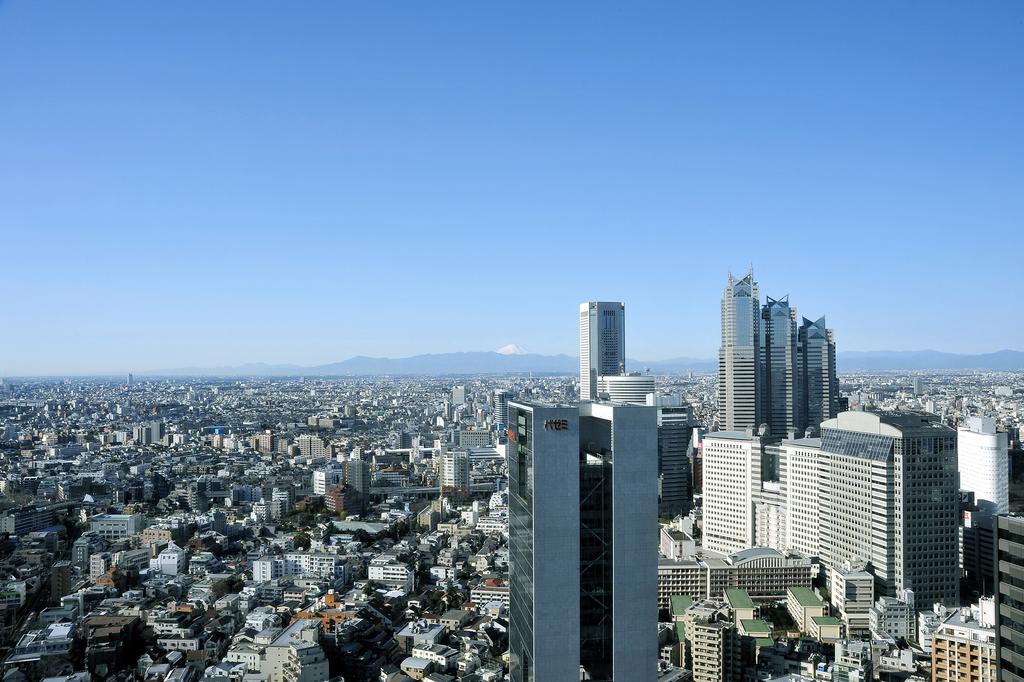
{"points": [[208, 183]]}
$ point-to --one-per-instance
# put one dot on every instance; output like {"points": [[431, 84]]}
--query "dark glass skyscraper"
{"points": [[818, 384], [779, 367], [675, 484]]}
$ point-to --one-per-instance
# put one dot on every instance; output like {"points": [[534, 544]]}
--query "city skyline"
{"points": [[314, 362], [354, 169]]}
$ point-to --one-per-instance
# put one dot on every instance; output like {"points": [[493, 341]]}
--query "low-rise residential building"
{"points": [[393, 572], [116, 526], [964, 645], [803, 606]]}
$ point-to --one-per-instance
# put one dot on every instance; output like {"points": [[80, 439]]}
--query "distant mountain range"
{"points": [[488, 362], [505, 362], [853, 361]]}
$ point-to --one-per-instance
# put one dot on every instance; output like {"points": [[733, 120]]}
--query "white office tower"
{"points": [[800, 462], [544, 543], [732, 488], [983, 463], [602, 344], [501, 398], [739, 358], [454, 474], [781, 390], [459, 395], [625, 388], [888, 498]]}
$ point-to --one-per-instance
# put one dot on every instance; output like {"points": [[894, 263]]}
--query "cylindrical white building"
{"points": [[983, 464], [626, 388]]}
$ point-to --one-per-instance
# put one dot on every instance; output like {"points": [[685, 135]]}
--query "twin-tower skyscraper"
{"points": [[771, 370]]}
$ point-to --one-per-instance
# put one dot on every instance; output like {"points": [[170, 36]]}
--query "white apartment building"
{"points": [[484, 594], [893, 617], [295, 655], [325, 478], [392, 572], [171, 561], [454, 473], [117, 526], [321, 565], [443, 657]]}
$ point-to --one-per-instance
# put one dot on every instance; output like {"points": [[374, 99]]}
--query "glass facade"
{"points": [[595, 563], [521, 547], [855, 444], [781, 378], [743, 311], [820, 388], [1010, 598]]}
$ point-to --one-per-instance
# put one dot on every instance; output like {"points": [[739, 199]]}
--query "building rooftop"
{"points": [[731, 435], [803, 442], [805, 596], [755, 627], [739, 599], [678, 603]]}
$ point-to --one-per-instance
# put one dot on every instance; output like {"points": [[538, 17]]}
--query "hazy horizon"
{"points": [[631, 363]]}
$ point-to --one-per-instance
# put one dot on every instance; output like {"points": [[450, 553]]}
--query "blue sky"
{"points": [[195, 183]]}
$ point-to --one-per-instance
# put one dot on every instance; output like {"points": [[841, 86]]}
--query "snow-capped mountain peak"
{"points": [[511, 349]]}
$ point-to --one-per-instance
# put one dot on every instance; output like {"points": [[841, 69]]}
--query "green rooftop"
{"points": [[805, 596], [678, 603], [739, 599], [765, 641], [681, 632], [826, 620], [756, 626]]}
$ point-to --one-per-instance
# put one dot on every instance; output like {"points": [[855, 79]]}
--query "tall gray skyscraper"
{"points": [[739, 358], [602, 344], [544, 542], [583, 562], [781, 391], [818, 384], [769, 370]]}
